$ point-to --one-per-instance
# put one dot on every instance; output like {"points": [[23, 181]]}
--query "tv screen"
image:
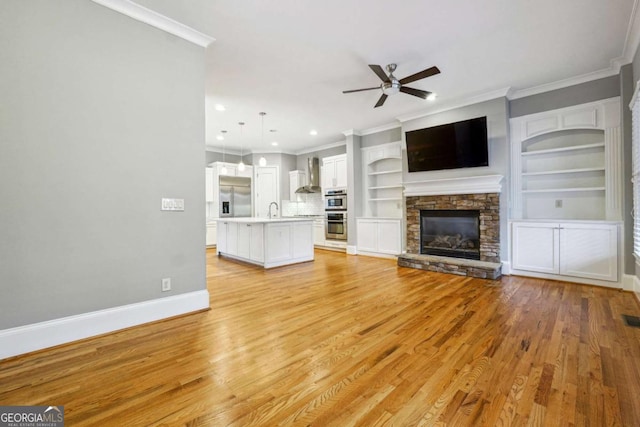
{"points": [[451, 146]]}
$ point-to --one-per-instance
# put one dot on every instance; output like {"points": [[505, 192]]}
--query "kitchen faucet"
{"points": [[272, 203]]}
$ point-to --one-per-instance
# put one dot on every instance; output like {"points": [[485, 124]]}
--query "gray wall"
{"points": [[497, 129], [100, 117], [384, 137], [320, 154], [595, 90], [212, 156], [626, 92]]}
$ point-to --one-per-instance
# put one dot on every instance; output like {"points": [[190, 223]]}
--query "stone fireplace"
{"points": [[465, 238]]}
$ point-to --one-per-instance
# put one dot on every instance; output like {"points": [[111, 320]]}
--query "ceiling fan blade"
{"points": [[415, 92], [360, 90], [379, 72], [421, 75], [381, 101]]}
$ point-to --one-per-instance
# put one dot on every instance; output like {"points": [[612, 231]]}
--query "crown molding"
{"points": [[351, 132], [214, 149], [632, 40], [161, 22], [487, 96], [381, 128], [572, 81], [321, 147]]}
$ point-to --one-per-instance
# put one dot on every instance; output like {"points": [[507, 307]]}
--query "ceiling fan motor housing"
{"points": [[391, 87]]}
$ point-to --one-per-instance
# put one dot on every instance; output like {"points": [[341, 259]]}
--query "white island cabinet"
{"points": [[266, 242]]}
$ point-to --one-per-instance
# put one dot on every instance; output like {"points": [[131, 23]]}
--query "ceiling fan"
{"points": [[391, 85]]}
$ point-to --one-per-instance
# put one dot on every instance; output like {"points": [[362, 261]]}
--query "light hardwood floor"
{"points": [[350, 340]]}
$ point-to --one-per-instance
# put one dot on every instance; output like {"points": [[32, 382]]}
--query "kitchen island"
{"points": [[266, 242]]}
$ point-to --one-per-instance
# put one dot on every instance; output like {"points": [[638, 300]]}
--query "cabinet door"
{"points": [[231, 169], [341, 172], [247, 172], [367, 235], [222, 237], [589, 251], [211, 234], [389, 237], [232, 238], [328, 174], [244, 241], [208, 185], [296, 180], [535, 247], [318, 233], [257, 242]]}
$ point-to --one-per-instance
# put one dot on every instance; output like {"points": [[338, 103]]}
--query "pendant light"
{"points": [[262, 161], [223, 170], [241, 164]]}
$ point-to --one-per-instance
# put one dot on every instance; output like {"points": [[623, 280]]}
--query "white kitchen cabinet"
{"points": [[221, 237], [250, 242], [318, 232], [334, 172], [382, 176], [587, 250], [232, 238], [297, 179], [379, 236], [267, 190], [208, 185], [211, 234], [232, 169]]}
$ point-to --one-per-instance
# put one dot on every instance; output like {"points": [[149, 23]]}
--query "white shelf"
{"points": [[385, 172], [565, 190], [561, 149], [386, 199], [567, 171], [384, 187]]}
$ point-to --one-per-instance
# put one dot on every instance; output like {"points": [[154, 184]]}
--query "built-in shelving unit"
{"points": [[566, 194], [564, 164], [382, 166]]}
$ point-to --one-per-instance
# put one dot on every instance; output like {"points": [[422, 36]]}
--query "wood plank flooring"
{"points": [[358, 341]]}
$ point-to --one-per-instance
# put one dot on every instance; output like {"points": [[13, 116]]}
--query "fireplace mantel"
{"points": [[466, 185]]}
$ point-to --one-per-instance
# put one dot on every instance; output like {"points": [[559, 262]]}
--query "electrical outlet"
{"points": [[166, 284], [559, 203]]}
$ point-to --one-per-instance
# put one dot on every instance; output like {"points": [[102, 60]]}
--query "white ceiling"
{"points": [[293, 58]]}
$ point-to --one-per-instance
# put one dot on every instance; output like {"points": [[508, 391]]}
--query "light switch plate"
{"points": [[172, 205]]}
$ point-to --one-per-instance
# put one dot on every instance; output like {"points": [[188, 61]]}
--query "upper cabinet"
{"points": [[297, 179], [208, 185], [566, 163], [334, 172], [382, 169]]}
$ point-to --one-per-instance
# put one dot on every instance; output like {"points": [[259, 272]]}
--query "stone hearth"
{"points": [[488, 204]]}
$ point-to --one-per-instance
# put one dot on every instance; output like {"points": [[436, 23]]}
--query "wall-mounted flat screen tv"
{"points": [[451, 146]]}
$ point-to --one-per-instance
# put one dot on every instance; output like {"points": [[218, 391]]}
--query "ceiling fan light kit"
{"points": [[391, 85]]}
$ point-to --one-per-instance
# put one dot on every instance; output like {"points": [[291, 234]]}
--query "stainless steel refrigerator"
{"points": [[235, 196]]}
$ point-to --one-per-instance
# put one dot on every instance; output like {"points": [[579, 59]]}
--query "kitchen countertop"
{"points": [[254, 220]]}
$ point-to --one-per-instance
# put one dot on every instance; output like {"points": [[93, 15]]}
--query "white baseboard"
{"points": [[352, 250], [25, 339], [628, 282], [506, 268]]}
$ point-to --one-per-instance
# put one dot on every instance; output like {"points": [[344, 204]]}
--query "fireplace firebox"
{"points": [[452, 233]]}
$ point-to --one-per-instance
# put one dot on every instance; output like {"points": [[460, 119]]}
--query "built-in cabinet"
{"points": [[334, 172], [208, 185], [379, 236], [297, 179], [566, 193], [576, 249], [382, 175], [318, 232], [211, 234]]}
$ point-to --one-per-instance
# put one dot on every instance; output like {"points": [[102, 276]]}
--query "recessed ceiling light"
{"points": [[274, 143], [272, 130], [431, 97], [220, 107], [220, 138], [313, 132]]}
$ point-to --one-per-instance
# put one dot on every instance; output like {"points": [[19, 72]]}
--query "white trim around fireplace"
{"points": [[465, 185]]}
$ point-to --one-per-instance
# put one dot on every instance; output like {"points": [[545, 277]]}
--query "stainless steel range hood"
{"points": [[313, 172]]}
